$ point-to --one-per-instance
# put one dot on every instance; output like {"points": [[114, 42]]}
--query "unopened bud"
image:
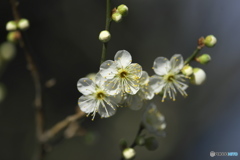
{"points": [[11, 26], [187, 70], [210, 41], [204, 59], [122, 9], [104, 36], [140, 140], [23, 24], [117, 17], [129, 153], [151, 143], [13, 36], [198, 77], [7, 51]]}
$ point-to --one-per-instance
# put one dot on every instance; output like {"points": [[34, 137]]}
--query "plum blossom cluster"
{"points": [[120, 82]]}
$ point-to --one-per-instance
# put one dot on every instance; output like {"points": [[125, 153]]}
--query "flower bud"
{"points": [[187, 70], [151, 143], [13, 36], [11, 26], [117, 17], [204, 59], [129, 153], [122, 9], [198, 77], [104, 36], [140, 140], [7, 51], [23, 24], [210, 41]]}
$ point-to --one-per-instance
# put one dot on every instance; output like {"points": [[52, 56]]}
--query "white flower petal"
{"points": [[108, 69], [99, 80], [156, 83], [177, 63], [123, 58], [86, 86], [134, 71], [87, 104], [131, 86], [161, 66], [146, 92], [106, 108], [112, 86], [144, 78], [135, 102], [153, 120]]}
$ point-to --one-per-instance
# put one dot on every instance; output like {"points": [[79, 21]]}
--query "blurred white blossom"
{"points": [[153, 120]]}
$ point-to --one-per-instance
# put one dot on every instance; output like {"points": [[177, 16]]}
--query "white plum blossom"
{"points": [[168, 78], [95, 98], [153, 120], [135, 102], [121, 75]]}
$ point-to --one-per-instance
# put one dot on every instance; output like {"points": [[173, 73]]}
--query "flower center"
{"points": [[100, 95], [169, 77], [123, 73]]}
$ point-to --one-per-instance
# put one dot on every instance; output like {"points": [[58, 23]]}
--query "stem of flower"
{"points": [[107, 27], [140, 129], [195, 53], [198, 49]]}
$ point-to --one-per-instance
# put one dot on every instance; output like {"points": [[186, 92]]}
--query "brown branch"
{"points": [[47, 135], [36, 79]]}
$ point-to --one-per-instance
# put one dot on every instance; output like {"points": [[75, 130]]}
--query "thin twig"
{"points": [[36, 79], [107, 27], [134, 143], [47, 135]]}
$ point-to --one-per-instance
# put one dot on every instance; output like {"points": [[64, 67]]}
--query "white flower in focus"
{"points": [[135, 102], [153, 120], [95, 99], [169, 78], [121, 75]]}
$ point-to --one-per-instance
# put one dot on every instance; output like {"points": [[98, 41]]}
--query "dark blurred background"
{"points": [[64, 42]]}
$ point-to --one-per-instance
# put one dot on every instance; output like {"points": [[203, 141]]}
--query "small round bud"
{"points": [[151, 143], [7, 51], [117, 17], [140, 140], [204, 59], [187, 70], [122, 9], [11, 26], [198, 77], [13, 36], [210, 41], [129, 153], [23, 24], [104, 36]]}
